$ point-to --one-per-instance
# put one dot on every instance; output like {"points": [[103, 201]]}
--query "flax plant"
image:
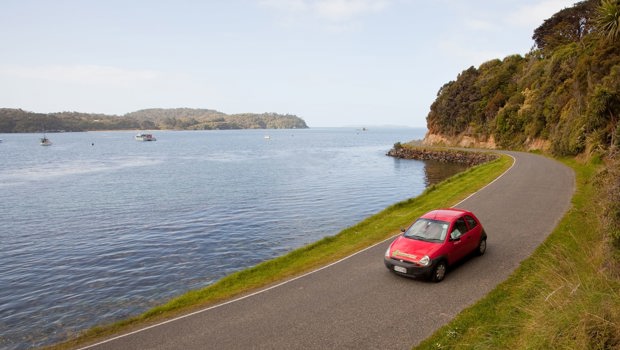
{"points": [[608, 19]]}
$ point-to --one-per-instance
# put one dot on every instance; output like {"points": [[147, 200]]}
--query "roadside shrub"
{"points": [[609, 182]]}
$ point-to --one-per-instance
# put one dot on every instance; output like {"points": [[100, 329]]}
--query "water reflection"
{"points": [[435, 171]]}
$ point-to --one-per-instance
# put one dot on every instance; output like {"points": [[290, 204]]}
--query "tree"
{"points": [[566, 26], [456, 104]]}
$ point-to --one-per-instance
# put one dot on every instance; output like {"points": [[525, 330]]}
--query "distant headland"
{"points": [[20, 121]]}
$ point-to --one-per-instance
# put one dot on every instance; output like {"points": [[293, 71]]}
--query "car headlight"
{"points": [[425, 260], [387, 253]]}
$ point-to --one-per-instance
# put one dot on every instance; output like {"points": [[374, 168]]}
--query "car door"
{"points": [[459, 240], [475, 231]]}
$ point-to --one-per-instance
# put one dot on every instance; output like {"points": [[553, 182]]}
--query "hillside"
{"points": [[562, 96], [17, 120]]}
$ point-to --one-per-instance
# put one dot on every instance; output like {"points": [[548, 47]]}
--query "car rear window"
{"points": [[471, 222]]}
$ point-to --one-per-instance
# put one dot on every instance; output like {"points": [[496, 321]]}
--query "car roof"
{"points": [[448, 214]]}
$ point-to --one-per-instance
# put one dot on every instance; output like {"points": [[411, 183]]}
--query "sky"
{"points": [[331, 62]]}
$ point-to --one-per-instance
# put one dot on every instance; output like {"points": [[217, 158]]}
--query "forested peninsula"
{"points": [[562, 96], [561, 99], [17, 120]]}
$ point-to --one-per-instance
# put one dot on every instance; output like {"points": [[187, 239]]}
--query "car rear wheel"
{"points": [[482, 247], [439, 272]]}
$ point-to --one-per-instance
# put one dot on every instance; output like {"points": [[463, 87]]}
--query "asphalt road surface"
{"points": [[359, 304]]}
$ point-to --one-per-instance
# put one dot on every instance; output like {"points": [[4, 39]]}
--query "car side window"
{"points": [[471, 222], [460, 228]]}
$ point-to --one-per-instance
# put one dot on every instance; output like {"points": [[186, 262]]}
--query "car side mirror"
{"points": [[402, 230], [455, 236]]}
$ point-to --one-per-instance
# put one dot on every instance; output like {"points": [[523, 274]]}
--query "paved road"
{"points": [[359, 304]]}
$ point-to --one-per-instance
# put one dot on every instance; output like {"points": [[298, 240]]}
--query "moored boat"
{"points": [[45, 141], [145, 137]]}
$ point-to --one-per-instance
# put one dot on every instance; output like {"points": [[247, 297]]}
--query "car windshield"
{"points": [[428, 230]]}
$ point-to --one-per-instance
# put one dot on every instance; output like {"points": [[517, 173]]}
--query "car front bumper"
{"points": [[406, 268]]}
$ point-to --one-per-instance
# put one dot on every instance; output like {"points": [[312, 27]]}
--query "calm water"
{"points": [[99, 227]]}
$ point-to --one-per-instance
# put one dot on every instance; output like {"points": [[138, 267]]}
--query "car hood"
{"points": [[412, 250]]}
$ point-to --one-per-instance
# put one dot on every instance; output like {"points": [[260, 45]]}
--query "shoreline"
{"points": [[306, 258], [444, 155]]}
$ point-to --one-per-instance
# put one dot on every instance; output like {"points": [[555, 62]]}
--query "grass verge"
{"points": [[373, 229], [565, 296]]}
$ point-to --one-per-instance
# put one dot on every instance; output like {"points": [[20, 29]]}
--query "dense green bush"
{"points": [[565, 91]]}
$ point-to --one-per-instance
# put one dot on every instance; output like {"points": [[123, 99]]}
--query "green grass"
{"points": [[565, 296], [374, 229]]}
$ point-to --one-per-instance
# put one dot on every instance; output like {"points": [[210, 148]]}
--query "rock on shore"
{"points": [[469, 158]]}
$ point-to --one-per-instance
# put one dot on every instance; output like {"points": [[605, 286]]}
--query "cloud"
{"points": [[333, 11], [80, 74], [480, 25], [345, 10], [288, 6], [532, 16]]}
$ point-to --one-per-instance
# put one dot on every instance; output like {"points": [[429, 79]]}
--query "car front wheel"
{"points": [[439, 272]]}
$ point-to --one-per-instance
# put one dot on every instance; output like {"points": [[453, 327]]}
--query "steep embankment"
{"points": [[563, 96]]}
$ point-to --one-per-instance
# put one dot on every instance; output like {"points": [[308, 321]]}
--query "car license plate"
{"points": [[400, 269]]}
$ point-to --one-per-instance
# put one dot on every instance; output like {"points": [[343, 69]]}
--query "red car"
{"points": [[435, 241]]}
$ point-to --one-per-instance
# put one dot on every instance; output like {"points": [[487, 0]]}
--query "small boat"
{"points": [[145, 137], [267, 137], [45, 141]]}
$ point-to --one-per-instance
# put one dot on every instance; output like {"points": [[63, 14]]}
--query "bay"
{"points": [[99, 227]]}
